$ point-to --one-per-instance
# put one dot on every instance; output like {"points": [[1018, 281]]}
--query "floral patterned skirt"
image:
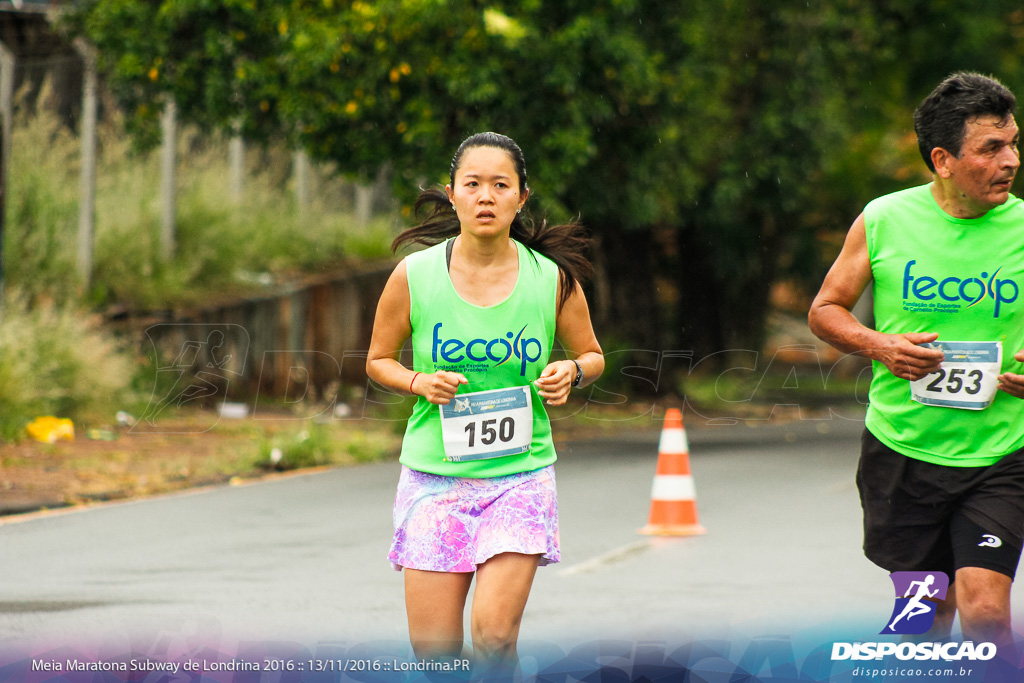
{"points": [[453, 524]]}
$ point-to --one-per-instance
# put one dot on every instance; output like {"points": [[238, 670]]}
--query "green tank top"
{"points": [[495, 347], [960, 278]]}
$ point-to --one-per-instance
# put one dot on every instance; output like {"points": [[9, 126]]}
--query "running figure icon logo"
{"points": [[914, 611]]}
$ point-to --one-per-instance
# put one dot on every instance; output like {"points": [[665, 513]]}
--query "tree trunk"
{"points": [[169, 184], [301, 172], [236, 160], [700, 295], [629, 306], [723, 310], [7, 64]]}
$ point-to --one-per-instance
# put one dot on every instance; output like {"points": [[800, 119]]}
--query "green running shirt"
{"points": [[960, 278], [500, 346]]}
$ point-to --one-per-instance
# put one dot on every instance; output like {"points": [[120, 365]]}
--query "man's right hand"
{"points": [[905, 358]]}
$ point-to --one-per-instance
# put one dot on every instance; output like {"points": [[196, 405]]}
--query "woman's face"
{"points": [[486, 191]]}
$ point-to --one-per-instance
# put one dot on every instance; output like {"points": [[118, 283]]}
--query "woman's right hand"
{"points": [[438, 388]]}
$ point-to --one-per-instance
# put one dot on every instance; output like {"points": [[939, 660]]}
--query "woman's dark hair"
{"points": [[565, 244], [941, 117]]}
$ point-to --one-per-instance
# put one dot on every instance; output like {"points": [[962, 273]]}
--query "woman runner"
{"points": [[482, 305]]}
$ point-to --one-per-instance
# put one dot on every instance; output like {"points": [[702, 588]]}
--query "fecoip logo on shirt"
{"points": [[950, 294], [498, 350]]}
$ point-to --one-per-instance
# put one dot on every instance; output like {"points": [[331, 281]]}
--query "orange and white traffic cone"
{"points": [[673, 501]]}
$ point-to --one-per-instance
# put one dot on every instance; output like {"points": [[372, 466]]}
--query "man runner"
{"points": [[942, 462]]}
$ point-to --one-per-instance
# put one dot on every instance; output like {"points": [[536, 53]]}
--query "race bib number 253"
{"points": [[966, 379]]}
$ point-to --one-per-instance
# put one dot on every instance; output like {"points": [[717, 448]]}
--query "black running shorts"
{"points": [[924, 517]]}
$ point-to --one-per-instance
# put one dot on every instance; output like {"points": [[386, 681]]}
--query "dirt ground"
{"points": [[204, 449], [124, 462]]}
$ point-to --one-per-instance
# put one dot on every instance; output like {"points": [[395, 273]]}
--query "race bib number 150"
{"points": [[487, 424], [966, 379]]}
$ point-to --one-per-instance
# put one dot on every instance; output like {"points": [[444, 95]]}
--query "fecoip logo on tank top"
{"points": [[952, 294], [479, 354]]}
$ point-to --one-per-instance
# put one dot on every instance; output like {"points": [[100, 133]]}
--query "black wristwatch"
{"points": [[579, 375]]}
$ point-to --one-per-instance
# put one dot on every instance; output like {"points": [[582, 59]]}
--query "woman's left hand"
{"points": [[555, 381]]}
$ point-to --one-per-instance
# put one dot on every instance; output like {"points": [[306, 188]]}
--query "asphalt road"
{"points": [[303, 559]]}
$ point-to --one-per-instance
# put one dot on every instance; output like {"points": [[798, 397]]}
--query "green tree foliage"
{"points": [[710, 145], [780, 79]]}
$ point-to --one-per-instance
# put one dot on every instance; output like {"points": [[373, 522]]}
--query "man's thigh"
{"points": [[924, 517], [908, 505]]}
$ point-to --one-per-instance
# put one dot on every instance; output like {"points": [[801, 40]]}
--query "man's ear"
{"points": [[941, 159]]}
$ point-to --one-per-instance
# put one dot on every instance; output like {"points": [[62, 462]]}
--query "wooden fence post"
{"points": [[87, 180]]}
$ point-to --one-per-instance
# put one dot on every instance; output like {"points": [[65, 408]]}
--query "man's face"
{"points": [[988, 162]]}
